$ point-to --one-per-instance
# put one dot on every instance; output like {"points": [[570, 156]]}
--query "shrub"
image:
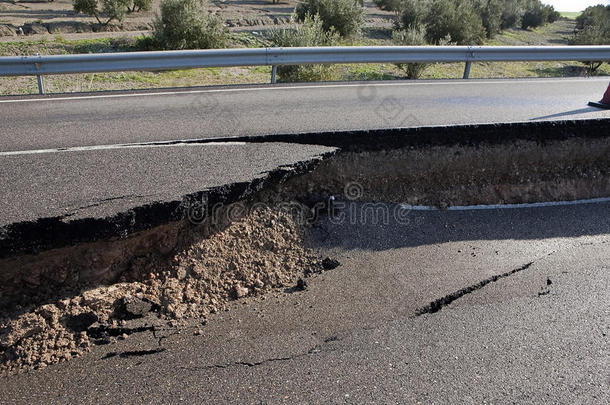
{"points": [[551, 14], [186, 24], [533, 16], [469, 21], [88, 7], [592, 35], [457, 19], [140, 5], [593, 28], [537, 14], [344, 16], [512, 13], [414, 13], [490, 12], [110, 9], [411, 36], [310, 33], [115, 9]]}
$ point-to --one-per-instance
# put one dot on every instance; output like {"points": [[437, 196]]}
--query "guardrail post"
{"points": [[39, 78], [40, 84], [467, 70], [273, 73]]}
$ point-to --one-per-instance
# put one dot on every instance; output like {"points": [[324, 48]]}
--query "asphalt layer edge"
{"points": [[44, 234], [33, 237]]}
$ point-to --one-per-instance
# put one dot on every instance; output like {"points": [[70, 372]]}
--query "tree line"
{"points": [[467, 22]]}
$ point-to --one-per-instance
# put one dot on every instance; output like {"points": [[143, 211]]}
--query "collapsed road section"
{"points": [[97, 240]]}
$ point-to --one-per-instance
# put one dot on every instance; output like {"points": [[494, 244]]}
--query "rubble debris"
{"points": [[301, 285], [330, 264], [264, 250]]}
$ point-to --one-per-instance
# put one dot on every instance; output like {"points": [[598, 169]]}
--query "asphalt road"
{"points": [[538, 334], [33, 123]]}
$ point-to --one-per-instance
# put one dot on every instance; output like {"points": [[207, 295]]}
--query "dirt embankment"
{"points": [[35, 18], [510, 173]]}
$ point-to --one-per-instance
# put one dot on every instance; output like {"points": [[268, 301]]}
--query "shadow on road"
{"points": [[566, 113], [378, 229]]}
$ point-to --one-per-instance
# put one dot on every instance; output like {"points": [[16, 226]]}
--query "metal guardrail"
{"points": [[171, 60]]}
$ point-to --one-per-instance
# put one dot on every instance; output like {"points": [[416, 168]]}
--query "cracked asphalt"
{"points": [[521, 309], [101, 183], [64, 157], [497, 306]]}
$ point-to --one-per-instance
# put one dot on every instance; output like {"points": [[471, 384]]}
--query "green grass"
{"points": [[570, 14], [61, 46], [481, 70], [558, 33], [124, 80]]}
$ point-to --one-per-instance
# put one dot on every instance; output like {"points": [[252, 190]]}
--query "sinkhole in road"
{"points": [[56, 304]]}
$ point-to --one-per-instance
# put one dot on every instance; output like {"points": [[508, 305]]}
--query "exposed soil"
{"points": [[262, 251], [443, 176]]}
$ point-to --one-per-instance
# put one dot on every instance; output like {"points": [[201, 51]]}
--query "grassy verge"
{"points": [[124, 80], [135, 80], [551, 34], [570, 14]]}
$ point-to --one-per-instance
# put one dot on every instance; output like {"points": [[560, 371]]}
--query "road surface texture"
{"points": [[75, 120], [521, 299]]}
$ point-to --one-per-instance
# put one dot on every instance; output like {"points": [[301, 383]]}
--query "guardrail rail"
{"points": [[41, 65]]}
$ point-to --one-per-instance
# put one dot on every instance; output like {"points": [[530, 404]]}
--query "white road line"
{"points": [[323, 86], [505, 206], [119, 146], [210, 141]]}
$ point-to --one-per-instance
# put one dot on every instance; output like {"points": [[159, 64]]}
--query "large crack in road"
{"points": [[55, 269], [446, 300]]}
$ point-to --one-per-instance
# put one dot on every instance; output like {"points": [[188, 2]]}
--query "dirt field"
{"points": [[37, 19]]}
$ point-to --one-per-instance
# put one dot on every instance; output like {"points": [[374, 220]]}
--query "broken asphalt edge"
{"points": [[32, 237]]}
